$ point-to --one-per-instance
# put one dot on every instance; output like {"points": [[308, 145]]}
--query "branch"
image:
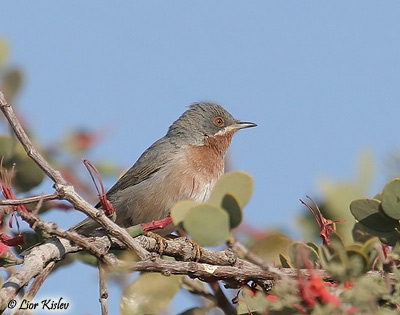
{"points": [[194, 286], [39, 280], [240, 274], [16, 202], [103, 289], [63, 188], [26, 142], [52, 229], [230, 268], [222, 302]]}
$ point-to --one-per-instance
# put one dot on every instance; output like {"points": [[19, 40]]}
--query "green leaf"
{"points": [[12, 83], [300, 255], [369, 213], [336, 245], [357, 263], [28, 175], [325, 256], [208, 225], [270, 247], [369, 245], [239, 184], [3, 51], [149, 294], [388, 238], [313, 246], [391, 199], [230, 204], [369, 249], [196, 311], [252, 303], [378, 196], [6, 147], [284, 261], [180, 209]]}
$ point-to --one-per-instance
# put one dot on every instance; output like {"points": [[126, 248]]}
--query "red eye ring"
{"points": [[219, 121]]}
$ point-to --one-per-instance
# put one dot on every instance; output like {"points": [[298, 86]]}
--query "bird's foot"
{"points": [[160, 241], [196, 249]]}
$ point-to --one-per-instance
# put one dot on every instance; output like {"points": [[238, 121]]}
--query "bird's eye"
{"points": [[219, 121]]}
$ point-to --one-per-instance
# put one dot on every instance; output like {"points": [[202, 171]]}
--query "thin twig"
{"points": [[242, 250], [194, 286], [222, 302], [52, 229], [37, 283], [103, 289], [15, 202]]}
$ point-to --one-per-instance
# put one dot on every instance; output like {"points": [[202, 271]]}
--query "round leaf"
{"points": [[149, 294], [230, 204], [196, 311], [378, 196], [391, 199], [12, 83], [28, 175], [6, 147], [368, 213], [271, 246], [236, 183], [313, 246], [3, 51], [180, 209], [388, 238], [300, 254], [208, 225]]}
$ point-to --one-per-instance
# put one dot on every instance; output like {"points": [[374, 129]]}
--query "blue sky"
{"points": [[321, 80]]}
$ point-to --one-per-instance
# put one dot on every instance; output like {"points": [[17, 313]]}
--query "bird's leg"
{"points": [[156, 225]]}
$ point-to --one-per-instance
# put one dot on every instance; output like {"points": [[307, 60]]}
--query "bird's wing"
{"points": [[149, 163], [132, 177]]}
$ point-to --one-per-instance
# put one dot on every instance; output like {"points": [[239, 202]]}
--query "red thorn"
{"points": [[325, 225]]}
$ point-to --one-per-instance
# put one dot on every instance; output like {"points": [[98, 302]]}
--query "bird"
{"points": [[185, 164]]}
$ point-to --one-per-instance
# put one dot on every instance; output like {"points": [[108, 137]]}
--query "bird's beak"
{"points": [[243, 124], [236, 126]]}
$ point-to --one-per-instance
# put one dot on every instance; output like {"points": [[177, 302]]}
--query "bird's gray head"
{"points": [[204, 120]]}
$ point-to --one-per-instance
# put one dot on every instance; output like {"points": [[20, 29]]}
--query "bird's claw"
{"points": [[160, 241], [196, 248]]}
